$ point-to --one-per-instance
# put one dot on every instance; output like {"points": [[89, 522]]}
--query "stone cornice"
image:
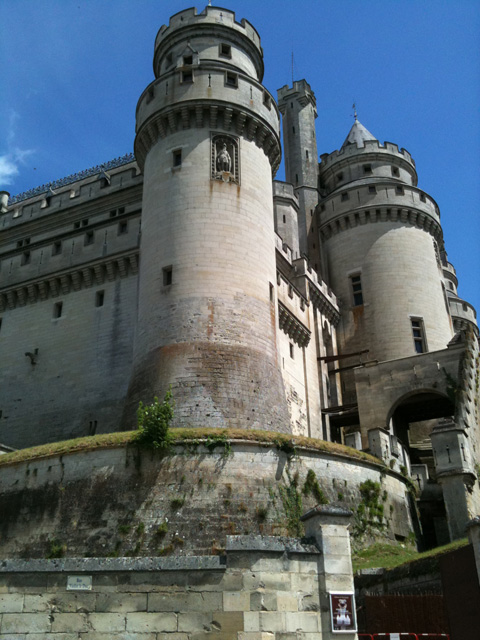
{"points": [[293, 327], [412, 217], [216, 115], [62, 283], [323, 304]]}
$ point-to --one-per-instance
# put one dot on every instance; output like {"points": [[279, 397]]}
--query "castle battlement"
{"points": [[300, 91], [195, 30], [74, 177], [369, 147], [212, 16]]}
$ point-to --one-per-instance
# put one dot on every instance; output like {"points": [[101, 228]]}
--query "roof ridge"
{"points": [[74, 177]]}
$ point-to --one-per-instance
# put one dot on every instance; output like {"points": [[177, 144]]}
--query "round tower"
{"points": [[207, 140], [381, 235]]}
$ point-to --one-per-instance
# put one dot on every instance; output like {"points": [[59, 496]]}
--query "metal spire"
{"points": [[354, 107]]}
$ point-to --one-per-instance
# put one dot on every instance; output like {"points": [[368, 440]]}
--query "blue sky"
{"points": [[72, 72]]}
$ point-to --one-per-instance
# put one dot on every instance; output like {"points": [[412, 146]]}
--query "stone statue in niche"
{"points": [[225, 158], [224, 162]]}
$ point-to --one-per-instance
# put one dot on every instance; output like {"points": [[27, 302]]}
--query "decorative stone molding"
{"points": [[322, 304], [293, 327], [63, 283], [188, 115], [354, 218]]}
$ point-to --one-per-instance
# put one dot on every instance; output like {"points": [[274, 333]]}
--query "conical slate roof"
{"points": [[358, 134]]}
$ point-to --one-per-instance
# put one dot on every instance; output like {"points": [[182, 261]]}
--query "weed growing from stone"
{"points": [[177, 503], [311, 487], [154, 422]]}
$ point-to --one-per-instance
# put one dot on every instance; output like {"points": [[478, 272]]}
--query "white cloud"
{"points": [[9, 164], [8, 169]]}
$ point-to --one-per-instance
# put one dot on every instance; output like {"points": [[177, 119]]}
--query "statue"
{"points": [[224, 162]]}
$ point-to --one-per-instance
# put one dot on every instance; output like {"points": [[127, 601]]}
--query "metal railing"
{"points": [[404, 636]]}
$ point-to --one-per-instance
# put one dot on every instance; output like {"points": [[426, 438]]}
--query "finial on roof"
{"points": [[354, 107], [209, 3]]}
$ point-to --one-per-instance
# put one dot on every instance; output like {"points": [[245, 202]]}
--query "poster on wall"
{"points": [[342, 612]]}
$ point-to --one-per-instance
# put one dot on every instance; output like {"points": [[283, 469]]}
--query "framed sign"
{"points": [[79, 583], [342, 611]]}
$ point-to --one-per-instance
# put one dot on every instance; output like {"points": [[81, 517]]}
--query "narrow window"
{"points": [[284, 219], [150, 95], [26, 257], [104, 183], [187, 60], [291, 105], [372, 189], [76, 225], [57, 248], [296, 178], [399, 190], [187, 76], [422, 197], [306, 153], [231, 79], [418, 332], [311, 212], [57, 309], [85, 222], [357, 294], [292, 350], [339, 177], [99, 298], [122, 227], [290, 291], [225, 50], [26, 241], [272, 298], [177, 158], [322, 207], [345, 196], [113, 213], [2, 319], [167, 276], [169, 59], [88, 238], [367, 169], [121, 210], [395, 172], [266, 100], [293, 130]]}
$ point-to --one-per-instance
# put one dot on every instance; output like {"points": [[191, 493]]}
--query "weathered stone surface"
{"points": [[148, 622], [11, 602], [69, 622], [121, 603], [25, 623]]}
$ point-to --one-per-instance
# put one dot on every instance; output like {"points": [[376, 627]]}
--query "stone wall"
{"points": [[262, 588], [126, 502], [237, 596]]}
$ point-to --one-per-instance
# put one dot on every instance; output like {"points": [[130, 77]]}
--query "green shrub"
{"points": [[154, 421]]}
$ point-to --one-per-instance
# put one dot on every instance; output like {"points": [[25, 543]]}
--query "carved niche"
{"points": [[225, 158]]}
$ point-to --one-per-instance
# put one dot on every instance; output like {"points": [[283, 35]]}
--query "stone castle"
{"points": [[323, 306]]}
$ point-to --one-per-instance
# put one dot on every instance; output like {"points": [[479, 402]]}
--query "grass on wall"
{"points": [[389, 556], [186, 436]]}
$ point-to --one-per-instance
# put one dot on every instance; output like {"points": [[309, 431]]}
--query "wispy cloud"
{"points": [[15, 157], [10, 162]]}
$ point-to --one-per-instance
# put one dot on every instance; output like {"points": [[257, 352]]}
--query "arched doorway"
{"points": [[412, 419]]}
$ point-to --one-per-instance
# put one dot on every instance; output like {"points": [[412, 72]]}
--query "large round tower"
{"points": [[208, 142], [382, 235]]}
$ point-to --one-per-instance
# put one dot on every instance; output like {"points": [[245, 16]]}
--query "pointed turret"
{"points": [[358, 135]]}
